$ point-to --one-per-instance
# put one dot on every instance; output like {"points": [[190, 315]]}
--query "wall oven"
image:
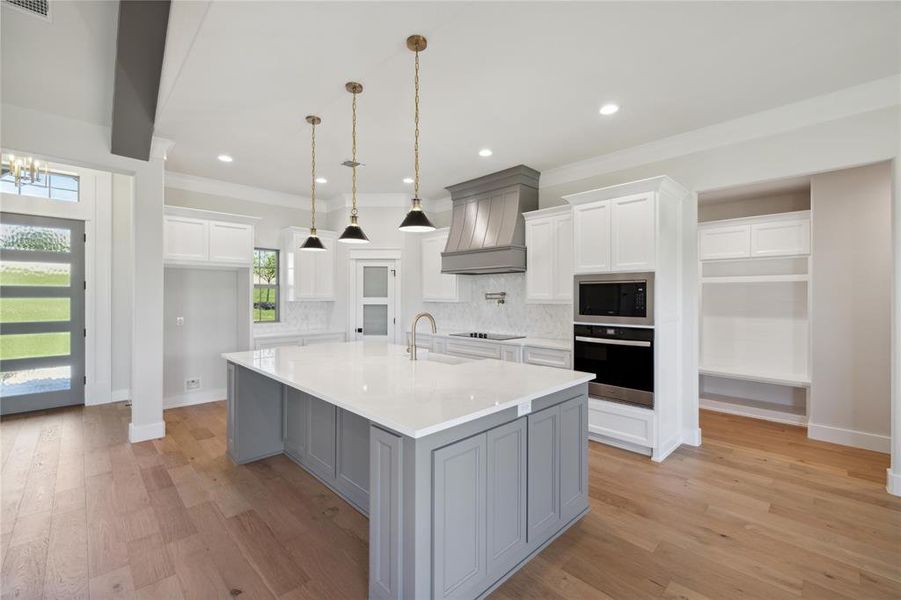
{"points": [[614, 299], [622, 359]]}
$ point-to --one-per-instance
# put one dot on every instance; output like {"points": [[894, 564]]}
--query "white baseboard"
{"points": [[190, 399], [850, 437], [753, 412], [660, 454], [892, 482], [142, 433], [120, 395], [692, 437], [603, 439]]}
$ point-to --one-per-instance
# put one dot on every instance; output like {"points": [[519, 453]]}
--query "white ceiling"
{"points": [[525, 79]]}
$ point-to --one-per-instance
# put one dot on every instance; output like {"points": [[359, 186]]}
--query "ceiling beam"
{"points": [[140, 45]]}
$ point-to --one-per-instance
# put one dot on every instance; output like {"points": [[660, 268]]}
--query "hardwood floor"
{"points": [[759, 511]]}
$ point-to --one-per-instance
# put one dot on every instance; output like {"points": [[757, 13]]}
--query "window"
{"points": [[57, 186], [265, 285]]}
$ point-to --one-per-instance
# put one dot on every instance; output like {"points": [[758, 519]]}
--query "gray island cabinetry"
{"points": [[459, 494]]}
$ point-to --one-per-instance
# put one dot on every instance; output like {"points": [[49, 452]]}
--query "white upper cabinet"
{"points": [[230, 242], [632, 230], [549, 263], [193, 236], [786, 234], [729, 241], [615, 235], [781, 237], [591, 237], [438, 286], [308, 275], [185, 239]]}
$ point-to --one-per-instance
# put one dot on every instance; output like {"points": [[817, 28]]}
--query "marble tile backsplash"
{"points": [[514, 316], [299, 316]]}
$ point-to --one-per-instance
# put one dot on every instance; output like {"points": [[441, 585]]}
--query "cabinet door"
{"points": [[324, 288], [296, 412], [459, 520], [544, 473], [506, 536], [321, 433], [437, 286], [591, 237], [731, 241], [230, 392], [353, 458], [573, 457], [305, 267], [231, 243], [547, 357], [185, 239], [540, 268], [780, 238], [563, 258], [633, 233]]}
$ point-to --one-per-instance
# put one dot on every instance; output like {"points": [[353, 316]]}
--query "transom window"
{"points": [[55, 186], [265, 285]]}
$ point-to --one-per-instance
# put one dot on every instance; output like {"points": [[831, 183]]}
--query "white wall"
{"points": [[852, 270], [207, 300], [750, 207]]}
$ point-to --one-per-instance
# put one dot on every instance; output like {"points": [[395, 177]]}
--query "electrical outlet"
{"points": [[179, 321], [192, 384]]}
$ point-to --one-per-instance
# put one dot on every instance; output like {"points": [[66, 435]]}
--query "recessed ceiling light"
{"points": [[225, 158], [485, 152], [609, 109], [321, 180], [408, 180]]}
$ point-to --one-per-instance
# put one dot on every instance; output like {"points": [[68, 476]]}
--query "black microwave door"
{"points": [[612, 299]]}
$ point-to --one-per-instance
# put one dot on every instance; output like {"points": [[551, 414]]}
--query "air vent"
{"points": [[39, 8]]}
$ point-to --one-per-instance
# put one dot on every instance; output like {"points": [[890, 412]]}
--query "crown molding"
{"points": [[160, 147], [215, 187], [867, 97]]}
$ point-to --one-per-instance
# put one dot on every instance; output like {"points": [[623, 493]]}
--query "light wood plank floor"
{"points": [[759, 511]]}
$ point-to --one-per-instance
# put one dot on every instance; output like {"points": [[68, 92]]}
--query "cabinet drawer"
{"points": [[323, 338], [547, 357], [780, 238], [732, 241], [621, 422], [276, 342], [473, 349]]}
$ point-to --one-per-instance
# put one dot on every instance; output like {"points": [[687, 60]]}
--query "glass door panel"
{"points": [[375, 301], [41, 313]]}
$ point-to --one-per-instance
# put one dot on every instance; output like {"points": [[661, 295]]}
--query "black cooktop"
{"points": [[489, 336]]}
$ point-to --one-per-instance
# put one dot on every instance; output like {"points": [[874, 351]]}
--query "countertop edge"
{"points": [[412, 433]]}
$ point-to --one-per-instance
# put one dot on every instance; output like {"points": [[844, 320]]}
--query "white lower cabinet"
{"points": [[620, 422], [547, 357], [298, 339]]}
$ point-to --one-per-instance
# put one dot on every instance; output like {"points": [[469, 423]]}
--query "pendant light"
{"points": [[313, 243], [353, 234], [416, 220]]}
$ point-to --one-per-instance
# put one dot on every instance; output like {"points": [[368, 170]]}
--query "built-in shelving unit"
{"points": [[755, 316]]}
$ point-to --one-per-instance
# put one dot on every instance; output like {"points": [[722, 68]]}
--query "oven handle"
{"points": [[612, 342]]}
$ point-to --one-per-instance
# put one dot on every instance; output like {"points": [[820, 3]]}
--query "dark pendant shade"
{"points": [[312, 243], [353, 234], [416, 220]]}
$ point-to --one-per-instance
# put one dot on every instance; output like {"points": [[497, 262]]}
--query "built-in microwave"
{"points": [[614, 299]]}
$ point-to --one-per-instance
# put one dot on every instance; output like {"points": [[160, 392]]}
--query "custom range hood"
{"points": [[488, 232]]}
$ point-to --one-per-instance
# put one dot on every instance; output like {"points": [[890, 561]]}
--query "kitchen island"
{"points": [[465, 468]]}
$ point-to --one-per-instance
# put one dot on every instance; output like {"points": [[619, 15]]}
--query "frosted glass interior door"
{"points": [[41, 313], [375, 301]]}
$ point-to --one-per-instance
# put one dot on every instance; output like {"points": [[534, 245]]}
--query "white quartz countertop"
{"points": [[378, 381], [535, 342]]}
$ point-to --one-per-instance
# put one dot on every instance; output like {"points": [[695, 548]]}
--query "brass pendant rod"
{"points": [[416, 128], [353, 155], [313, 121]]}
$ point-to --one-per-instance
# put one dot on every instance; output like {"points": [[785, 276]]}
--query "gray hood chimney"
{"points": [[487, 232]]}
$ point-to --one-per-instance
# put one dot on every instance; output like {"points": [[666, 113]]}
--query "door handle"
{"points": [[591, 340]]}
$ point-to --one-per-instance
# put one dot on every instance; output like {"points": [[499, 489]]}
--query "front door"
{"points": [[42, 289], [375, 300]]}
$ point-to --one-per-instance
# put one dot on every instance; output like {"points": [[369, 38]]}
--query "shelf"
{"points": [[756, 279], [769, 411], [788, 379]]}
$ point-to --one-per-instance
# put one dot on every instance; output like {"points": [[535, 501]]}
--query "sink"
{"points": [[447, 359]]}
